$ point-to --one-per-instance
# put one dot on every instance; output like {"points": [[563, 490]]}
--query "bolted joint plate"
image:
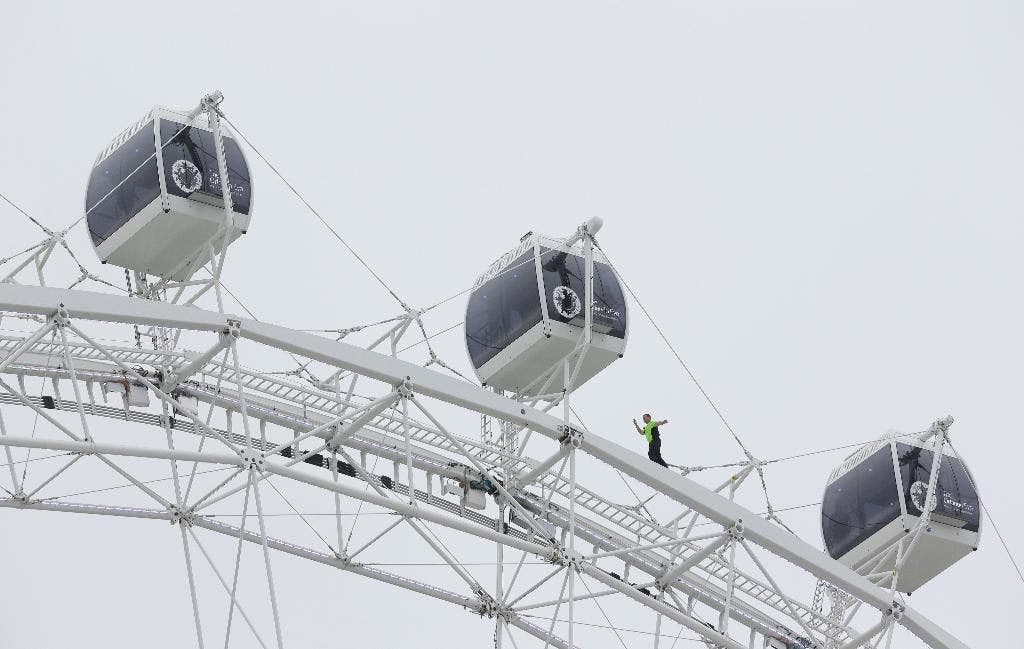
{"points": [[405, 389], [563, 556], [896, 611], [252, 459], [486, 606], [61, 318], [180, 517], [571, 435]]}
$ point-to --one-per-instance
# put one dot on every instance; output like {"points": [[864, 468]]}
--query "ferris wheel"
{"points": [[412, 458]]}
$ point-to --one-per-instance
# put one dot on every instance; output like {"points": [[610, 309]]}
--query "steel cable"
{"points": [[312, 209], [999, 534]]}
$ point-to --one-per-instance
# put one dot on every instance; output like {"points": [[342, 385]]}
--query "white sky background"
{"points": [[819, 202]]}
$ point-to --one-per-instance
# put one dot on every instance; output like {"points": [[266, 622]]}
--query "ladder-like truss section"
{"points": [[714, 560]]}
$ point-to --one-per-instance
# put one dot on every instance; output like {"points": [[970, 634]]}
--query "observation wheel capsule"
{"points": [[154, 202], [527, 312], [877, 497]]}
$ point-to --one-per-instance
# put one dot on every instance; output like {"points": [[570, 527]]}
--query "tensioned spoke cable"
{"points": [[35, 421], [35, 459], [280, 514], [984, 507], [827, 450], [605, 626], [671, 347], [426, 340], [94, 205], [605, 615], [444, 301], [253, 316], [127, 484], [432, 336], [439, 303], [640, 502], [170, 140], [760, 471], [470, 289], [308, 524], [202, 440], [764, 513], [441, 543], [28, 216], [354, 329], [238, 301], [312, 209], [359, 509], [15, 255], [798, 456], [59, 238], [440, 564]]}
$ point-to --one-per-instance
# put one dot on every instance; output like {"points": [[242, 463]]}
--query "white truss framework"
{"points": [[325, 437]]}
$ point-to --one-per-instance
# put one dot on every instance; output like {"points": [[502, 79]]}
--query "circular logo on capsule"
{"points": [[567, 303], [186, 176], [918, 493]]}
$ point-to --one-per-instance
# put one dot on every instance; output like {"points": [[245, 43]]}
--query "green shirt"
{"points": [[649, 430]]}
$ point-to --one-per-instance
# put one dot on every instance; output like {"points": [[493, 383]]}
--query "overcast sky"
{"points": [[819, 202]]}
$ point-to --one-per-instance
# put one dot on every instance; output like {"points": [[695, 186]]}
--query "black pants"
{"points": [[654, 452]]}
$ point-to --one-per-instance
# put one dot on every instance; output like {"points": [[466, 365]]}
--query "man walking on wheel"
{"points": [[650, 431]]}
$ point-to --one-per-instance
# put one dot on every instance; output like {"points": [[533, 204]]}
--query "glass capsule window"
{"points": [[502, 309], [191, 170], [955, 496], [860, 503], [122, 184], [564, 291]]}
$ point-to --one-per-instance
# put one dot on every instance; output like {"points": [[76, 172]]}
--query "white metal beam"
{"points": [[112, 308]]}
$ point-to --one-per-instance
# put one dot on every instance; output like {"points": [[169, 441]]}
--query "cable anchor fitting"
{"points": [[61, 318], [487, 606], [896, 611], [562, 556], [180, 517], [211, 101], [570, 435], [404, 388], [252, 459]]}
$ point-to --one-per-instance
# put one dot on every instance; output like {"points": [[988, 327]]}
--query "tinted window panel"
{"points": [[609, 302], [502, 310], [190, 166], [859, 503], [564, 291], [121, 185], [956, 499]]}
